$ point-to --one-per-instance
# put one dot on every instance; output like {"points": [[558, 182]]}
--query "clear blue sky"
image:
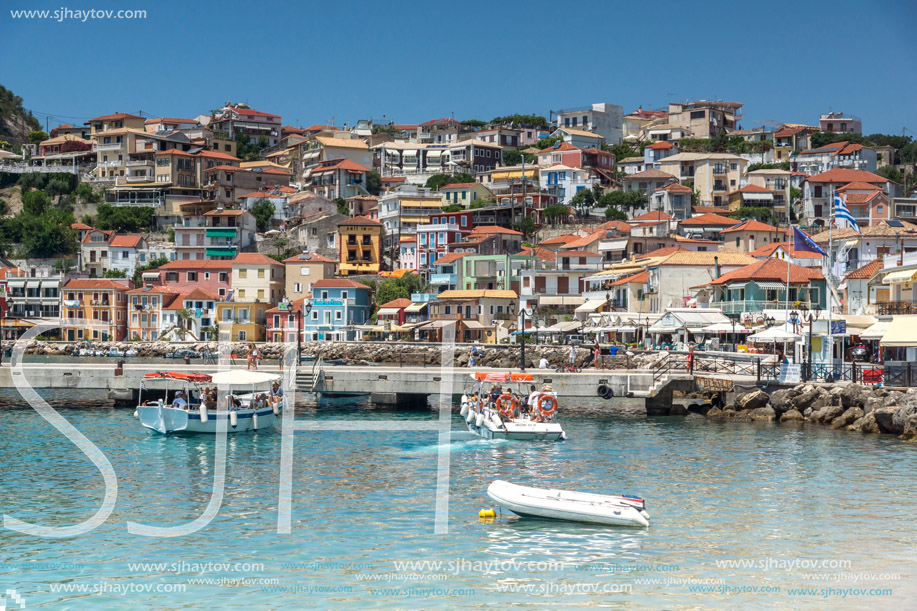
{"points": [[414, 61]]}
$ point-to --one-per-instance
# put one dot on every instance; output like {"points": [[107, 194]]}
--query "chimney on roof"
{"points": [[716, 266]]}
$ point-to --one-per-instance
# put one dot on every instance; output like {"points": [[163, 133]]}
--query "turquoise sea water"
{"points": [[740, 516]]}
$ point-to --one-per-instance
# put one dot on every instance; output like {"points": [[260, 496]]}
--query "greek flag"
{"points": [[841, 212]]}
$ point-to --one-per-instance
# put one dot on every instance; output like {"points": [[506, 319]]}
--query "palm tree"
{"points": [[184, 322]]}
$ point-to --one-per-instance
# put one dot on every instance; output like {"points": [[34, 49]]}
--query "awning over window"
{"points": [[416, 307], [876, 331], [591, 306], [388, 311], [221, 233], [771, 286], [221, 252], [902, 332], [900, 276], [560, 300]]}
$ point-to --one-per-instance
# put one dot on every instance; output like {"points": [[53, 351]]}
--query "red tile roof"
{"points": [[771, 270], [459, 185], [82, 283], [159, 290], [254, 258], [561, 239], [450, 257], [200, 293], [665, 251], [661, 146], [752, 225], [397, 303], [359, 220], [844, 176], [542, 254], [338, 164], [174, 152], [655, 215], [867, 271], [218, 155], [317, 128], [710, 210], [768, 249], [641, 278], [710, 219], [562, 147], [439, 121], [494, 229], [340, 283], [577, 253], [751, 189], [170, 120], [309, 257], [79, 226], [114, 117], [253, 113], [196, 264], [674, 188], [619, 226], [651, 173], [786, 132], [126, 241]]}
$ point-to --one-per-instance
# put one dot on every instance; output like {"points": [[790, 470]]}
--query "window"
{"points": [[337, 315], [314, 315], [304, 270], [242, 336], [879, 209], [192, 276], [243, 273], [241, 293], [698, 114], [464, 221], [448, 310], [224, 277], [260, 293], [261, 273], [733, 166], [297, 287], [324, 294]]}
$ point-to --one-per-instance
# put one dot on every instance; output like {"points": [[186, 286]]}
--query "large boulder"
{"points": [[715, 413], [782, 400], [851, 415], [826, 413], [811, 396], [873, 403], [791, 416], [903, 413], [866, 424], [766, 414], [847, 395], [884, 417], [752, 400]]}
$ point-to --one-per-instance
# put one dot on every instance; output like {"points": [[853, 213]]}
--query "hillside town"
{"points": [[669, 228]]}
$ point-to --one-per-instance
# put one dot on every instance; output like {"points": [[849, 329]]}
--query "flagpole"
{"points": [[786, 296], [830, 276]]}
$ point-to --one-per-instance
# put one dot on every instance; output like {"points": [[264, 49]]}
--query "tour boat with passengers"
{"points": [[197, 402], [498, 411]]}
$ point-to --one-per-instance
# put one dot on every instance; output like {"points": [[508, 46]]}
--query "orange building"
{"points": [[95, 310]]}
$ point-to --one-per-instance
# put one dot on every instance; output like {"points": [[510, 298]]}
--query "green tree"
{"points": [[341, 203], [49, 234], [513, 157], [556, 211], [374, 182], [783, 165], [35, 203], [438, 181], [820, 139], [622, 151], [36, 136], [765, 215], [114, 273], [615, 214], [474, 123], [584, 198], [59, 188], [623, 200], [522, 121], [453, 208], [263, 211], [548, 142], [152, 264], [397, 288], [123, 218], [526, 226]]}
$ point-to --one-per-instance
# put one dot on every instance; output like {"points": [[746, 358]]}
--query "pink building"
{"points": [[185, 276]]}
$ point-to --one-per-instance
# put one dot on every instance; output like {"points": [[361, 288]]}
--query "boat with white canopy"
{"points": [[506, 414], [197, 402]]}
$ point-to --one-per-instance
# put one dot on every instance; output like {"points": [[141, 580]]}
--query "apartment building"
{"points": [[713, 175], [94, 309], [606, 120], [303, 270], [360, 250], [235, 119], [257, 278]]}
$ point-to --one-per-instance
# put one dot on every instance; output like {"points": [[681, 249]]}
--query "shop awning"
{"points": [[388, 311], [771, 286], [876, 331], [434, 154], [613, 245], [900, 276], [902, 332], [416, 307], [474, 325], [559, 300], [591, 306]]}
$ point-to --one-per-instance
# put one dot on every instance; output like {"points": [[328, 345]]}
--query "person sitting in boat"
{"points": [[546, 390], [276, 394], [209, 398], [495, 392], [261, 401], [179, 401], [223, 403]]}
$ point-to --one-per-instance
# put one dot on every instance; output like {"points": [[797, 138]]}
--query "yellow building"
{"points": [[256, 278], [245, 319], [714, 175], [303, 270], [360, 240], [463, 194]]}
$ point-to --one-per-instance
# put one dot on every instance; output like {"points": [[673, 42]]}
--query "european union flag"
{"points": [[804, 243]]}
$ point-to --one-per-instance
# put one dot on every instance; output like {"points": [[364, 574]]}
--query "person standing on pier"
{"points": [[572, 355]]}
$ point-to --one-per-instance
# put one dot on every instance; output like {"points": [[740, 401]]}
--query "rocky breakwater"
{"points": [[383, 353], [849, 407]]}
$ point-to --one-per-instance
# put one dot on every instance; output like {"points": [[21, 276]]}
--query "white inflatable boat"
{"points": [[568, 505]]}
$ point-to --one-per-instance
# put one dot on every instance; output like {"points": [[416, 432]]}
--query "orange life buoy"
{"points": [[506, 405], [546, 404]]}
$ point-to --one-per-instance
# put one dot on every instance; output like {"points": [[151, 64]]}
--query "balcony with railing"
{"points": [[140, 163], [443, 279], [758, 305], [111, 146], [892, 308]]}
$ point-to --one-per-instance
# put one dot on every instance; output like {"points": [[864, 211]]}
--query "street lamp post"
{"points": [[733, 318], [523, 312], [809, 316], [308, 308], [794, 320]]}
